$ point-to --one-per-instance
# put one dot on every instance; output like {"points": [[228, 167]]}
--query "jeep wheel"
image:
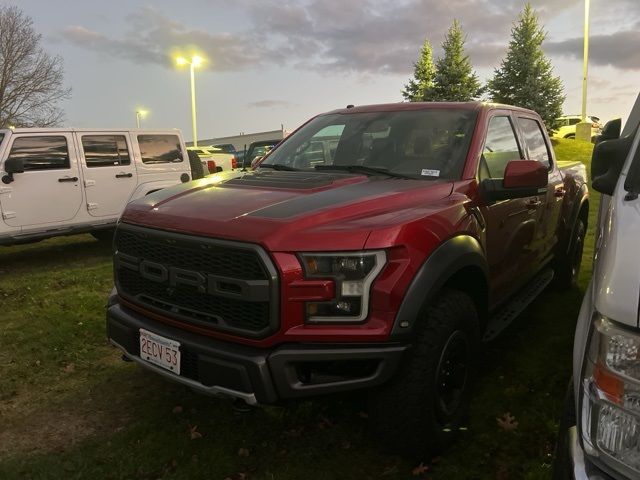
{"points": [[420, 411], [567, 268]]}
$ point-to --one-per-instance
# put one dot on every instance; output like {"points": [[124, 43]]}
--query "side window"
{"points": [[574, 121], [500, 148], [160, 148], [536, 144], [315, 151], [41, 153], [105, 150]]}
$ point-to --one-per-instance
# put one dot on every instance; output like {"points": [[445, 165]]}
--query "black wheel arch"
{"points": [[580, 211], [458, 263]]}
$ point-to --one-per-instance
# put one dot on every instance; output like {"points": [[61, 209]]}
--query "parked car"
{"points": [[258, 149], [225, 147], [380, 265], [214, 159], [602, 441], [66, 181], [567, 126]]}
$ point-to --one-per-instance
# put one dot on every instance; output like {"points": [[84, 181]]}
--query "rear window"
{"points": [[41, 152], [535, 140], [160, 148], [105, 150], [226, 147]]}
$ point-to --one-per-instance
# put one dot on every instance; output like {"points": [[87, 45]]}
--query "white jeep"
{"points": [[65, 181]]}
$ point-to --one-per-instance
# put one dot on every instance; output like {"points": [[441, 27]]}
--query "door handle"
{"points": [[124, 175], [533, 204], [68, 179]]}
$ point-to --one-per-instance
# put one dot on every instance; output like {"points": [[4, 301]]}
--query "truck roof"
{"points": [[403, 106]]}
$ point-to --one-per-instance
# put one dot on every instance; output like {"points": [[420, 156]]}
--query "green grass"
{"points": [[69, 408]]}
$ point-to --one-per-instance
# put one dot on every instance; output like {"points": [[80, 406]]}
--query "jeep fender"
{"points": [[445, 261]]}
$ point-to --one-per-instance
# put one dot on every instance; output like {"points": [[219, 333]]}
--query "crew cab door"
{"points": [[549, 211], [511, 224], [49, 189], [109, 174]]}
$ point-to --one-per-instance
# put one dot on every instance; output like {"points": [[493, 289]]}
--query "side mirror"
{"points": [[11, 166], [607, 161], [522, 178], [610, 131], [255, 161]]}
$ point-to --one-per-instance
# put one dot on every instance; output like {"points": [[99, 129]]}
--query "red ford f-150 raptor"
{"points": [[375, 247]]}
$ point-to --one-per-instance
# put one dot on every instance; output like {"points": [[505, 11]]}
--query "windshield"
{"points": [[429, 143]]}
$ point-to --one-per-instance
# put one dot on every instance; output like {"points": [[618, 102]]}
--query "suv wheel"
{"points": [[420, 411]]}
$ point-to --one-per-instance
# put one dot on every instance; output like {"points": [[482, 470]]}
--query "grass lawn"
{"points": [[70, 408]]}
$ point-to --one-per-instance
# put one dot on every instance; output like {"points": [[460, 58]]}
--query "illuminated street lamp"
{"points": [[140, 114], [583, 129], [193, 63]]}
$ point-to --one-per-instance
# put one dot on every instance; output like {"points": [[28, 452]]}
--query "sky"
{"points": [[273, 63]]}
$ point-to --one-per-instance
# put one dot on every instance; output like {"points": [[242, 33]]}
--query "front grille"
{"points": [[221, 285]]}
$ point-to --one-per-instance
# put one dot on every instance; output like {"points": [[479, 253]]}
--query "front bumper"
{"points": [[581, 467], [258, 375]]}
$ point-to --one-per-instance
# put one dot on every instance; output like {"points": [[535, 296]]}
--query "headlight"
{"points": [[353, 274], [611, 396]]}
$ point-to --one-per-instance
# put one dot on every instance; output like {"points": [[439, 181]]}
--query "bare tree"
{"points": [[31, 81]]}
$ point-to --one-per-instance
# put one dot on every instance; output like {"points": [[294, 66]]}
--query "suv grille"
{"points": [[222, 285]]}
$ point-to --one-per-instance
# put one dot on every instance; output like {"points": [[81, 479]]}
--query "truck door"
{"points": [[48, 191], [511, 223], [109, 174], [537, 148]]}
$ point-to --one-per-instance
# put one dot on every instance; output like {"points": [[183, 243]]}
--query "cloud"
{"points": [[619, 49], [270, 104], [334, 36]]}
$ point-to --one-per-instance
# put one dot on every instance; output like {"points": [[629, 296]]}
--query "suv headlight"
{"points": [[610, 396], [353, 274]]}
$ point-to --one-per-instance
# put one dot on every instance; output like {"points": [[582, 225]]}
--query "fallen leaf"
{"points": [[69, 368], [37, 363], [507, 422], [392, 470], [177, 409], [243, 452], [363, 415], [193, 432], [419, 470], [346, 445]]}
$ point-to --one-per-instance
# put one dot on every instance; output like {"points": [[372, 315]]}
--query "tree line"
{"points": [[524, 78]]}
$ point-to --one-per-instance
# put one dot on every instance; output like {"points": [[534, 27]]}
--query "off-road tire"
{"points": [[104, 236], [405, 414], [567, 267]]}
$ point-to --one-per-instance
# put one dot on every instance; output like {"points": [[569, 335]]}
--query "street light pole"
{"points": [[140, 114], [194, 62], [585, 66], [193, 103], [583, 129]]}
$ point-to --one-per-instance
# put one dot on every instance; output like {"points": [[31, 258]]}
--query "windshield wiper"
{"points": [[363, 169], [277, 166]]}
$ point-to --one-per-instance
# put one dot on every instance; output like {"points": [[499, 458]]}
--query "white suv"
{"points": [[64, 181], [602, 441]]}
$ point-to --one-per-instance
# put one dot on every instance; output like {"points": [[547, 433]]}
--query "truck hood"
{"points": [[287, 211], [616, 274]]}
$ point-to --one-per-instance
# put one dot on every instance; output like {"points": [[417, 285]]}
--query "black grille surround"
{"points": [[222, 285]]}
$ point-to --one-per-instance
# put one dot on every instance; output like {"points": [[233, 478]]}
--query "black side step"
{"points": [[507, 314]]}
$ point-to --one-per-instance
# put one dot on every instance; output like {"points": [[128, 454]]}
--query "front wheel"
{"points": [[567, 268], [421, 411]]}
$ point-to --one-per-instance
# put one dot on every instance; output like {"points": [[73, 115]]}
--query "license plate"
{"points": [[160, 351]]}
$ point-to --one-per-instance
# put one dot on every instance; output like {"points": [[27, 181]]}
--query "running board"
{"points": [[507, 314]]}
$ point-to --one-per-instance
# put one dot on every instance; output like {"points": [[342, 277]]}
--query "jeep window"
{"points": [[406, 142], [105, 150], [160, 148], [534, 138], [41, 153], [500, 147]]}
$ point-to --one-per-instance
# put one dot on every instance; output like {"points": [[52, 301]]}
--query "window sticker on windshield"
{"points": [[430, 173]]}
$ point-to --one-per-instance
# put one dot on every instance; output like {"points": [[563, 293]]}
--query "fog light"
{"points": [[618, 435]]}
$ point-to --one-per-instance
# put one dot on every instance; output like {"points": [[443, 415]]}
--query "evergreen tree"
{"points": [[525, 77], [455, 80], [420, 87]]}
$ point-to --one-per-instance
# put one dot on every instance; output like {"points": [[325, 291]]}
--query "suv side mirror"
{"points": [[522, 178], [610, 131], [607, 161], [11, 166]]}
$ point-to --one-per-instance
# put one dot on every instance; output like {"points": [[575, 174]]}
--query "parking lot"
{"points": [[70, 408]]}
